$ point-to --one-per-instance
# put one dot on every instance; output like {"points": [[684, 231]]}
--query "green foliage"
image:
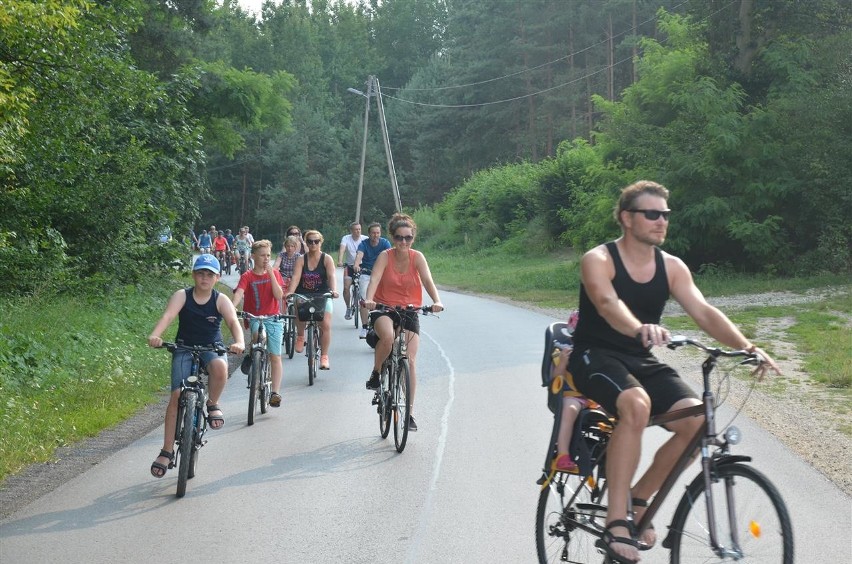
{"points": [[63, 381]]}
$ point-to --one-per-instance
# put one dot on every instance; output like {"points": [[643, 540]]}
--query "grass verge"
{"points": [[73, 366]]}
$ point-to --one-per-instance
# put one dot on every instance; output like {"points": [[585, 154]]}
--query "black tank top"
{"points": [[199, 324], [646, 301], [313, 281]]}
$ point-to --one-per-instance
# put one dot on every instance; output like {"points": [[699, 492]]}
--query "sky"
{"points": [[252, 6]]}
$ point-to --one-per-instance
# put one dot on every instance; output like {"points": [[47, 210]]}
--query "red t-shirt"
{"points": [[220, 243], [258, 298]]}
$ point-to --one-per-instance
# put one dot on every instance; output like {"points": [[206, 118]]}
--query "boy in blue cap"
{"points": [[200, 311]]}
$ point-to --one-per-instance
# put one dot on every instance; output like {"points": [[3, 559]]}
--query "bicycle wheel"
{"points": [[196, 441], [752, 522], [383, 396], [311, 347], [353, 300], [402, 404], [265, 385], [567, 521], [186, 412], [254, 382]]}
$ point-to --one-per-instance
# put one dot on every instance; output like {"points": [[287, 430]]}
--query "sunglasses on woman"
{"points": [[401, 238], [313, 241]]}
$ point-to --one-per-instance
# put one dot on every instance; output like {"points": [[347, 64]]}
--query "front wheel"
{"points": [[289, 338], [353, 301], [184, 438], [254, 383], [384, 402], [311, 347], [752, 523], [402, 404], [265, 385]]}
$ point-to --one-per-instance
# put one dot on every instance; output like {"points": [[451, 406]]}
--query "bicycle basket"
{"points": [[313, 309]]}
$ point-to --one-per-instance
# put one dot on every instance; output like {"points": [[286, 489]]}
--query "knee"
{"points": [[634, 408]]}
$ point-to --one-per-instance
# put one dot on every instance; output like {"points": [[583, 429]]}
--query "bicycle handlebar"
{"points": [[679, 341], [247, 315], [291, 298], [422, 309], [212, 347]]}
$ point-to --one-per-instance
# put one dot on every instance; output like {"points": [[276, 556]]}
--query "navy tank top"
{"points": [[199, 324], [313, 281], [646, 301]]}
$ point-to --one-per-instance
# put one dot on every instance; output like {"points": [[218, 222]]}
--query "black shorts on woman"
{"points": [[410, 319]]}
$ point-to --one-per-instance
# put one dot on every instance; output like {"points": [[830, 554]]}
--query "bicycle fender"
{"points": [[731, 459]]}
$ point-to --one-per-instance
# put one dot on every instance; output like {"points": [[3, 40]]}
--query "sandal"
{"points": [[158, 470], [211, 418], [608, 538], [639, 502]]}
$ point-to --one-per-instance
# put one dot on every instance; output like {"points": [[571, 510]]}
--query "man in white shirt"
{"points": [[346, 258]]}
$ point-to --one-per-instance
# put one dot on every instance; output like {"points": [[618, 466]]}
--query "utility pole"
{"points": [[386, 139], [373, 89], [364, 148]]}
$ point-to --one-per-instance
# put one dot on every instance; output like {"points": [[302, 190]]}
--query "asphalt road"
{"points": [[313, 481]]}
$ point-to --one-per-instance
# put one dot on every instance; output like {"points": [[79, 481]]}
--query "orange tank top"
{"points": [[400, 289]]}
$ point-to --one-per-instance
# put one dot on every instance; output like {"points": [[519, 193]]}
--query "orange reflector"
{"points": [[754, 529]]}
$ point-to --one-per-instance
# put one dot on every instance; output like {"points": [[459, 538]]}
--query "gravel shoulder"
{"points": [[805, 418]]}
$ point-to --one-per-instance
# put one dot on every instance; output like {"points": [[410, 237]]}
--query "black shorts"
{"points": [[602, 375], [410, 319]]}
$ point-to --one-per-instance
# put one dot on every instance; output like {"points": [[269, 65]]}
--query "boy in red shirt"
{"points": [[261, 287]]}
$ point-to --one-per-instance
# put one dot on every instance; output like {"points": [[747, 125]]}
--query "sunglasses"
{"points": [[294, 233], [313, 241], [401, 238], [653, 215]]}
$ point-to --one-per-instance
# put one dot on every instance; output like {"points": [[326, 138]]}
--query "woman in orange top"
{"points": [[398, 278]]}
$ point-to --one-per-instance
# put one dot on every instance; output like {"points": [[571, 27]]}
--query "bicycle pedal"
{"points": [[375, 400]]}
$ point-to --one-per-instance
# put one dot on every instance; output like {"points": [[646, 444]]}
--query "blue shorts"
{"points": [[182, 364], [274, 333]]}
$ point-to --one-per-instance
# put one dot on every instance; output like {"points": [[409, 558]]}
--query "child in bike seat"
{"points": [[572, 401]]}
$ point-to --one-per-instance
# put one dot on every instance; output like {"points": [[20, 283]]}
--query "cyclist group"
{"points": [[264, 290], [624, 287], [224, 245]]}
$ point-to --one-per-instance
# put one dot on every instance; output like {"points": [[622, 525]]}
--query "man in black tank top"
{"points": [[624, 288]]}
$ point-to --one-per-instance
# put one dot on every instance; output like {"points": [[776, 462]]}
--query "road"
{"points": [[313, 482]]}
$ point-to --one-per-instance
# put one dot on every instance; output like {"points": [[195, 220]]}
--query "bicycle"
{"points": [[242, 263], [224, 262], [355, 298], [259, 379], [191, 423], [288, 336], [392, 397], [312, 311], [729, 512]]}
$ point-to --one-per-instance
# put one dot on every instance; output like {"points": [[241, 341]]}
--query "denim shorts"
{"points": [[182, 364], [274, 333]]}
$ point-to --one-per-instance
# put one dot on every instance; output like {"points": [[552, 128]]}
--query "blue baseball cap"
{"points": [[206, 262]]}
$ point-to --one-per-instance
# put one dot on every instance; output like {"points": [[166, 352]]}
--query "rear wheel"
{"points": [[564, 509], [384, 402], [402, 404], [265, 384], [186, 412], [752, 523], [312, 355]]}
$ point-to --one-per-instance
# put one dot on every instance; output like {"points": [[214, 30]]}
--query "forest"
{"points": [[517, 121]]}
